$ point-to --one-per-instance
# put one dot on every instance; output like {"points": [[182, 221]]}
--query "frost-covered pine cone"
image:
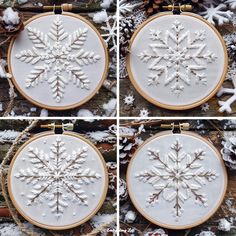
{"points": [[111, 166], [232, 50], [123, 193], [127, 27], [151, 6], [127, 147], [229, 151]]}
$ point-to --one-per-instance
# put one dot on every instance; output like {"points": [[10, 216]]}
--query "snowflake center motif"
{"points": [[178, 56], [57, 177], [177, 177], [58, 52]]}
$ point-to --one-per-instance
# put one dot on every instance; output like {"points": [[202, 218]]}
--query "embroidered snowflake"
{"points": [[55, 50], [177, 177], [57, 177], [177, 57]]}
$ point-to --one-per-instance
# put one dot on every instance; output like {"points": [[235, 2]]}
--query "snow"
{"points": [[100, 17], [224, 225], [33, 109], [159, 232], [3, 73], [106, 3], [102, 136], [7, 136], [206, 233], [10, 229], [44, 113], [110, 107], [101, 219], [10, 18], [130, 217], [85, 113]]}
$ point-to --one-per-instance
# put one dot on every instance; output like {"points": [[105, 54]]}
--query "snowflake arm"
{"points": [[39, 39], [85, 57], [78, 77], [30, 56], [77, 39], [57, 31]]}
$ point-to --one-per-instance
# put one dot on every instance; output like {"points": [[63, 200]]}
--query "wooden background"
{"points": [[22, 107], [213, 131], [107, 149], [126, 88]]}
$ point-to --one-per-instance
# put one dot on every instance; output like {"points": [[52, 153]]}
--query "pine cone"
{"points": [[127, 147], [231, 47], [111, 166], [151, 6], [127, 27], [123, 193], [229, 151]]}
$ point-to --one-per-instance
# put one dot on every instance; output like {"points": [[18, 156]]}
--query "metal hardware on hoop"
{"points": [[53, 126], [173, 126], [181, 8], [58, 8]]}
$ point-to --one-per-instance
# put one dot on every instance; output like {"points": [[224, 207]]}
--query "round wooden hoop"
{"points": [[105, 73], [187, 133], [70, 225], [178, 107]]}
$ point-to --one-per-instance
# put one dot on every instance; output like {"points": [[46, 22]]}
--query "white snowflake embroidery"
{"points": [[109, 34], [178, 63], [57, 57], [176, 177], [57, 177]]}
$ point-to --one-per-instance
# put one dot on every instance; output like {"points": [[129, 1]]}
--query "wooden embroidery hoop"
{"points": [[177, 107], [168, 226], [105, 73], [18, 208]]}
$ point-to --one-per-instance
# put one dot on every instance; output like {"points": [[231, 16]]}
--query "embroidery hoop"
{"points": [[168, 226], [70, 226], [105, 73], [167, 106]]}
